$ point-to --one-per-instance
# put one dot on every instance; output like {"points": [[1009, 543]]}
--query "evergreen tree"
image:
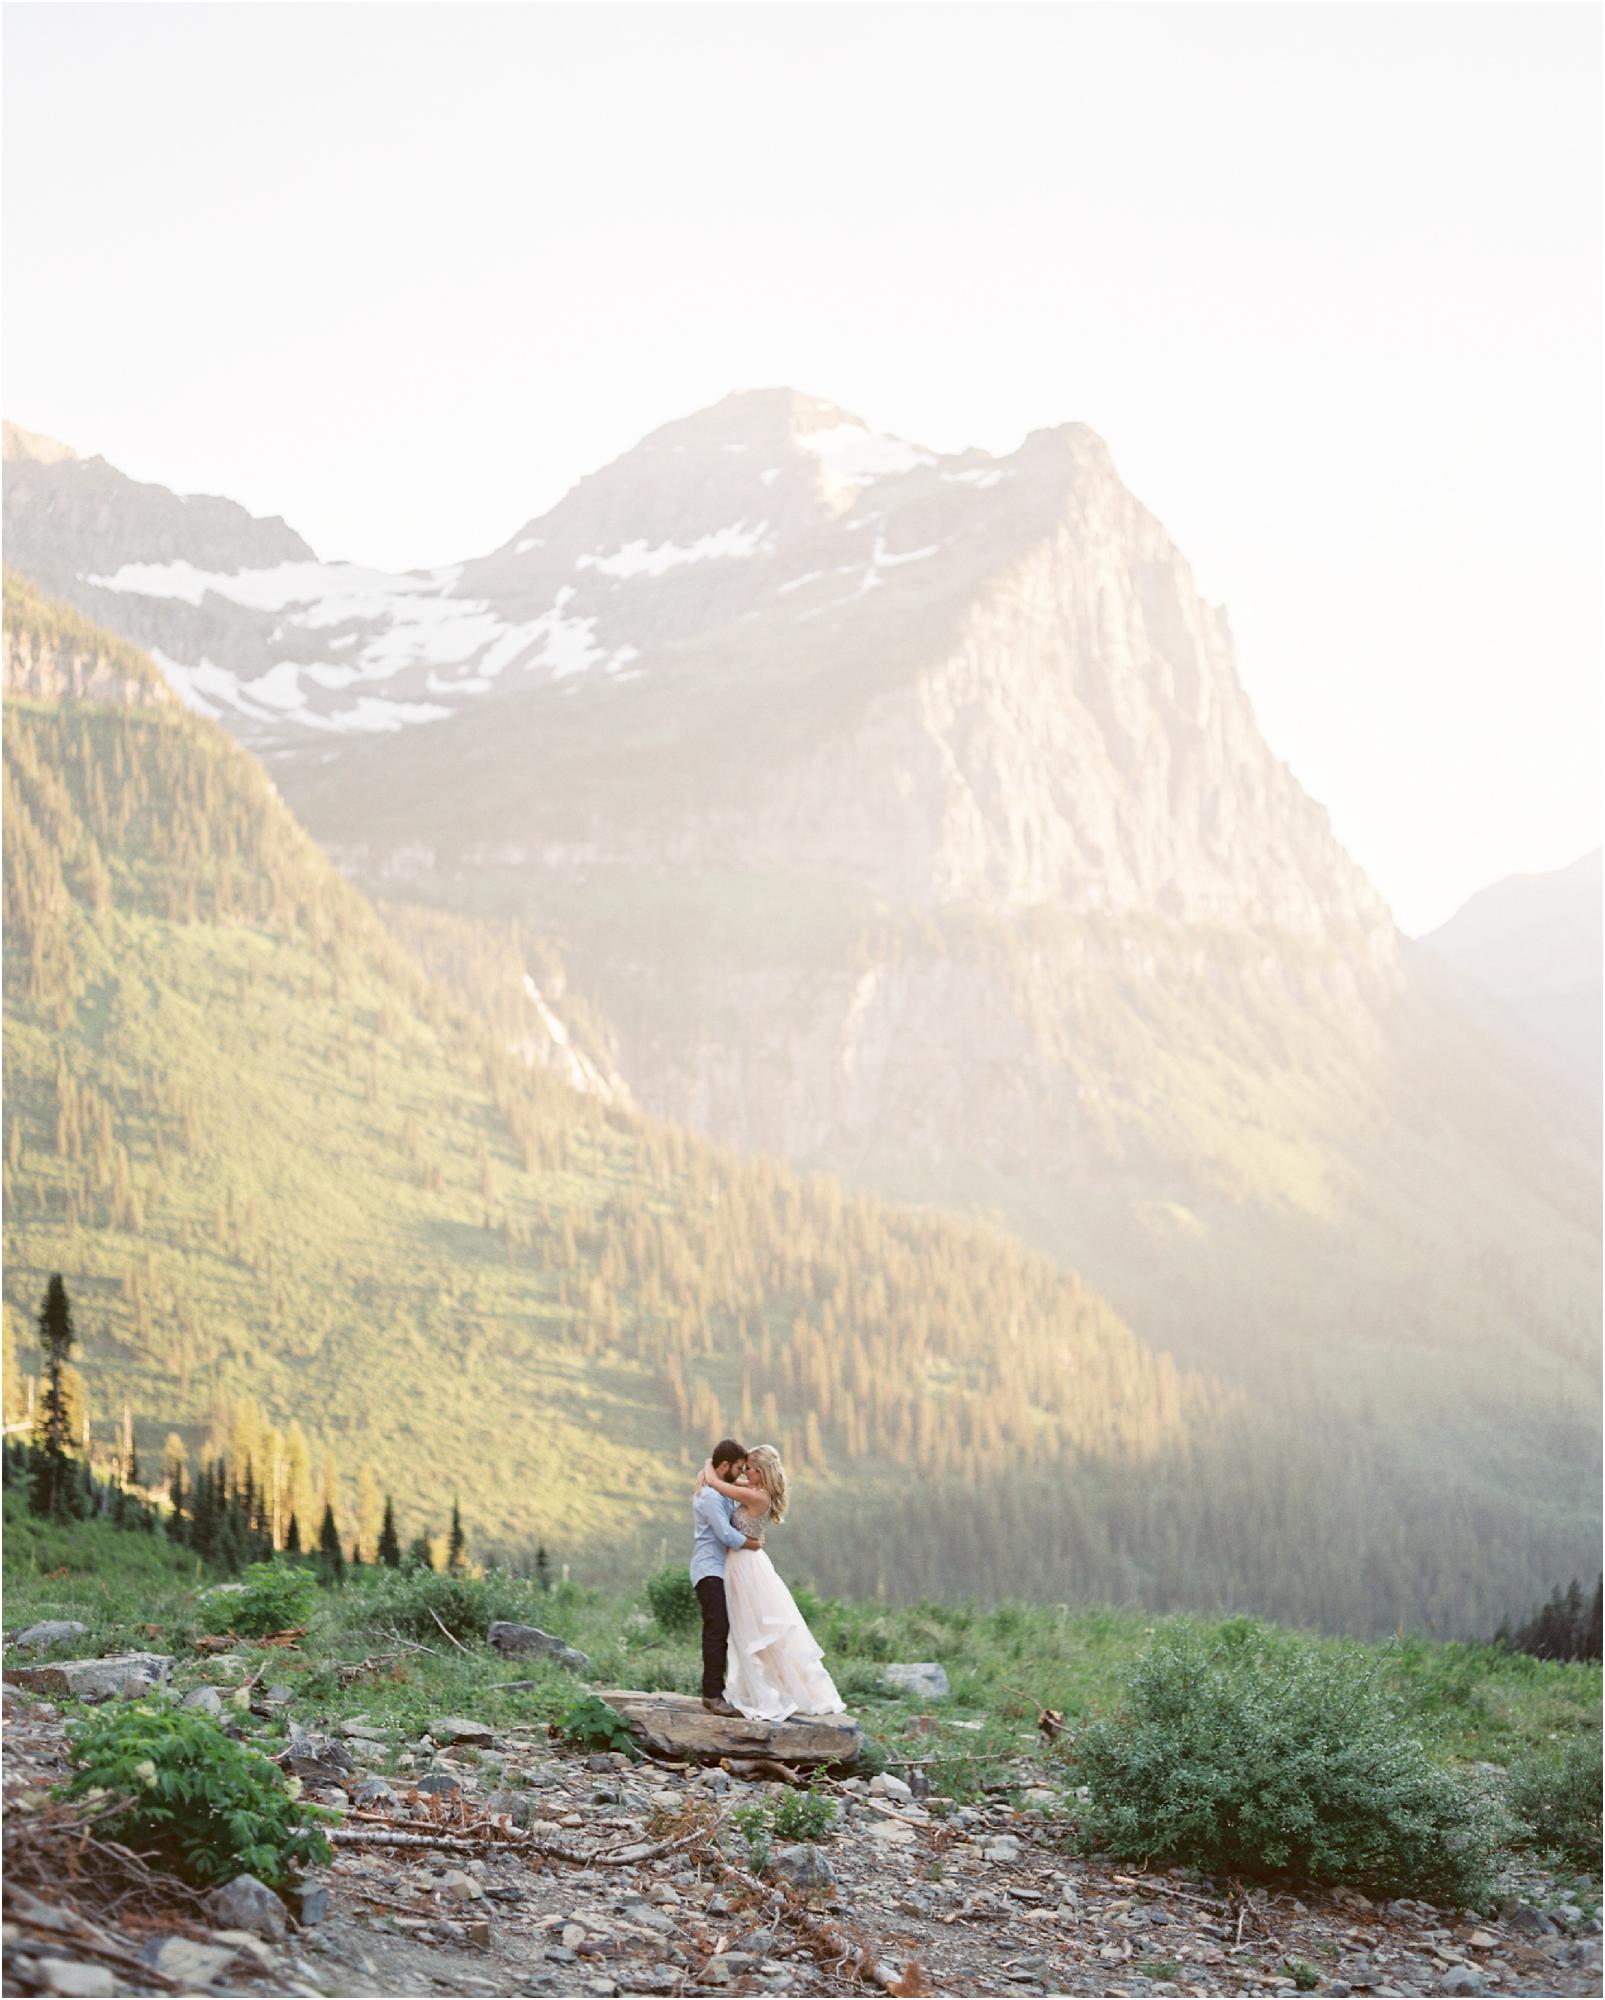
{"points": [[419, 1553], [457, 1549], [356, 1552], [389, 1546], [54, 1491], [543, 1568], [177, 1526], [329, 1551], [292, 1537]]}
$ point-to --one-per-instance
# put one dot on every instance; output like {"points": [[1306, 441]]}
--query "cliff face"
{"points": [[51, 654]]}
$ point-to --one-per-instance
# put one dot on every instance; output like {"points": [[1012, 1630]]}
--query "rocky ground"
{"points": [[473, 1861]]}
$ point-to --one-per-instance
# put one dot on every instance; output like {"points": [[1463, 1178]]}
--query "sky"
{"points": [[1326, 278]]}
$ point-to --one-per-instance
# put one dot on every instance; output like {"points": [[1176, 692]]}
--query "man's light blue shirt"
{"points": [[711, 1512]]}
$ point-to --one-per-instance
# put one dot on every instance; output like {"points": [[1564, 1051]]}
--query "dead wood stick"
{"points": [[1164, 1889], [383, 1836], [452, 1636]]}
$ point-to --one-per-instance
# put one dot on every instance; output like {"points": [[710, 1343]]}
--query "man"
{"points": [[710, 1514]]}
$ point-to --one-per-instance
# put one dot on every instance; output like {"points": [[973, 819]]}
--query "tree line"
{"points": [[220, 1513]]}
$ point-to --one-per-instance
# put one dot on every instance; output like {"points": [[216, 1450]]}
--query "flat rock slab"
{"points": [[677, 1725], [91, 1680]]}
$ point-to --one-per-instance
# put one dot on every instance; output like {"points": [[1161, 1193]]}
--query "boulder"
{"points": [[885, 1786], [677, 1725], [206, 1699], [802, 1867], [53, 1632], [308, 1901], [455, 1729], [924, 1678], [189, 1965], [509, 1638], [322, 1759], [73, 1979], [245, 1904], [92, 1680]]}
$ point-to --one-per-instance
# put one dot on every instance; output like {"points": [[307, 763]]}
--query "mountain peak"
{"points": [[33, 447]]}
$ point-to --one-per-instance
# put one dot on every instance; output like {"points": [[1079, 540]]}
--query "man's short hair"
{"points": [[726, 1452]]}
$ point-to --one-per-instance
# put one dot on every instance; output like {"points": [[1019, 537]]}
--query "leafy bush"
{"points": [[795, 1815], [417, 1602], [752, 1824], [275, 1597], [1557, 1797], [209, 1808], [1264, 1756], [672, 1599], [802, 1815], [592, 1724]]}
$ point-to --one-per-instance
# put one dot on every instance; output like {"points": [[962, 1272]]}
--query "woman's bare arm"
{"points": [[753, 1498]]}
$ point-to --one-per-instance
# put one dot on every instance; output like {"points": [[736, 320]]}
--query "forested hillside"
{"points": [[300, 1198]]}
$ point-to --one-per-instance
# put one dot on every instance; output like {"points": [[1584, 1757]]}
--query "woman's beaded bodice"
{"points": [[746, 1523]]}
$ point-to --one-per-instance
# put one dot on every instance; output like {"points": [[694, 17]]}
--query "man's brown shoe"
{"points": [[717, 1705]]}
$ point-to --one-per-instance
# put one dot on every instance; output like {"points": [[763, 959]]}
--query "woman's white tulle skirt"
{"points": [[774, 1666]]}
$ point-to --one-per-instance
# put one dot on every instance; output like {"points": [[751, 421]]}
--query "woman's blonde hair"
{"points": [[765, 1462]]}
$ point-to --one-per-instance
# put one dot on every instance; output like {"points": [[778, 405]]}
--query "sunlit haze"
{"points": [[1326, 279]]}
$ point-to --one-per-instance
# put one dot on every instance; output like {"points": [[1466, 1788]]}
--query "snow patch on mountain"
{"points": [[639, 559], [851, 454]]}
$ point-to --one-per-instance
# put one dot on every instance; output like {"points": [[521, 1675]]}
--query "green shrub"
{"points": [[752, 1824], [1557, 1797], [275, 1597], [592, 1724], [418, 1602], [208, 1808], [796, 1815], [672, 1599], [1255, 1756], [803, 1815]]}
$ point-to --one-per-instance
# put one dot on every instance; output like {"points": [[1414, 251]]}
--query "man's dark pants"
{"points": [[715, 1635]]}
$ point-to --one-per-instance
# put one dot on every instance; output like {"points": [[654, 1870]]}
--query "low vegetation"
{"points": [[1237, 1752], [1232, 1746], [204, 1806]]}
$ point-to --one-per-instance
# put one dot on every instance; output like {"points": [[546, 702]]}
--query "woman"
{"points": [[775, 1661]]}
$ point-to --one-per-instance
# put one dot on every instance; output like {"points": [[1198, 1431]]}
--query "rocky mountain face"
{"points": [[905, 814], [51, 654], [1533, 943]]}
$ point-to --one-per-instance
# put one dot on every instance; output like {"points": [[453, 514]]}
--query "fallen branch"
{"points": [[1164, 1889], [452, 1636], [383, 1836]]}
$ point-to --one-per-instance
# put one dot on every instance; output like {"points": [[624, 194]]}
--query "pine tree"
{"points": [[457, 1549], [292, 1537], [54, 1491], [543, 1568], [419, 1553], [356, 1552], [389, 1547], [329, 1552]]}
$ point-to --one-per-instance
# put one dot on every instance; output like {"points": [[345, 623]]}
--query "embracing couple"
{"points": [[758, 1656]]}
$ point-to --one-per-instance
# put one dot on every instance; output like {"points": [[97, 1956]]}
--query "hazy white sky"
{"points": [[1327, 278]]}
